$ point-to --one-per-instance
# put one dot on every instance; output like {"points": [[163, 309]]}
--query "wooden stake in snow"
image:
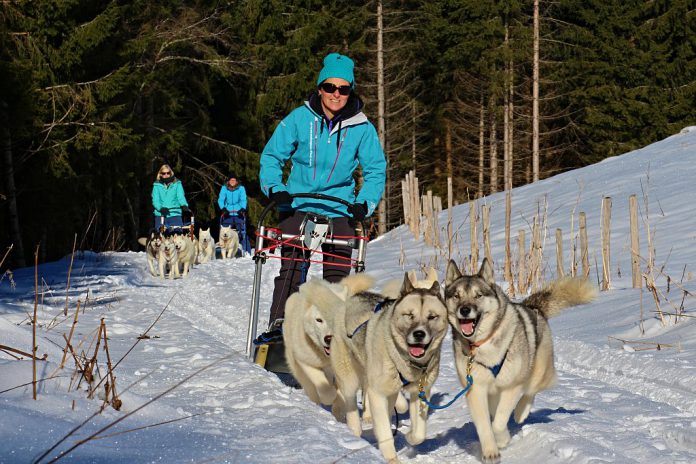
{"points": [[606, 256], [33, 321], [635, 242]]}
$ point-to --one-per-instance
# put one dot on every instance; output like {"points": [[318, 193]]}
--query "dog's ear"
{"points": [[407, 286], [412, 277], [452, 273], [431, 275], [486, 271], [435, 288]]}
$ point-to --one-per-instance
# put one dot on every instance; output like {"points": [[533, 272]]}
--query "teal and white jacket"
{"points": [[170, 196], [324, 156]]}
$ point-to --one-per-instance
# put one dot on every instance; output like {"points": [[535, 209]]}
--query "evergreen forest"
{"points": [[95, 95]]}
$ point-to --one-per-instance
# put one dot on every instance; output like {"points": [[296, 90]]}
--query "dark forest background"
{"points": [[96, 94]]}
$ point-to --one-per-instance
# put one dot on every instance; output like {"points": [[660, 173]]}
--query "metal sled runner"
{"points": [[312, 235]]}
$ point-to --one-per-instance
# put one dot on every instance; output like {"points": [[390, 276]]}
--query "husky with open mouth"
{"points": [[397, 348], [503, 350]]}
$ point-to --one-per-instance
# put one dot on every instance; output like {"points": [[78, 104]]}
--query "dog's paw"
{"points": [[490, 455], [502, 437], [413, 439]]}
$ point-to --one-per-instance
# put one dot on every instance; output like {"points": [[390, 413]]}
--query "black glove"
{"points": [[224, 213], [186, 209], [242, 212], [281, 198], [358, 211], [164, 212]]}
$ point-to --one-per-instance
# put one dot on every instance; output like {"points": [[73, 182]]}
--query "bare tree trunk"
{"points": [[381, 131], [506, 121], [413, 141], [448, 147], [511, 119], [535, 96], [482, 143], [12, 213], [494, 152]]}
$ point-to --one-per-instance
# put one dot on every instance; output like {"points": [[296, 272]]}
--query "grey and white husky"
{"points": [[152, 246], [504, 347], [397, 348]]}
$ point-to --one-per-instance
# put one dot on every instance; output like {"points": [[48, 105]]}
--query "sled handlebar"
{"points": [[316, 196]]}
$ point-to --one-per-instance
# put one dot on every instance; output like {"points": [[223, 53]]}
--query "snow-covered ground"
{"points": [[615, 401]]}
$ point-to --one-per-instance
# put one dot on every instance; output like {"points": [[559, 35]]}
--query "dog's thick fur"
{"points": [[168, 258], [489, 332], [187, 249], [308, 329], [400, 341], [152, 245], [229, 242], [206, 246]]}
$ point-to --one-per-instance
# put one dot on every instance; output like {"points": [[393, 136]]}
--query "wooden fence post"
{"points": [[522, 259], [508, 251], [584, 253], [559, 253], [486, 219], [473, 235], [606, 249], [635, 242], [450, 205]]}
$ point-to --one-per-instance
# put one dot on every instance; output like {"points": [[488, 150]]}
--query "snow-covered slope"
{"points": [[614, 402]]}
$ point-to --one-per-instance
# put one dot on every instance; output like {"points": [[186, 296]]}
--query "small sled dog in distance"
{"points": [[308, 329], [506, 347], [187, 249], [168, 258], [398, 348], [229, 242], [152, 246], [206, 246]]}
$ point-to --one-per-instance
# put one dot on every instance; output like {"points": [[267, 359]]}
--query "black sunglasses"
{"points": [[331, 88]]}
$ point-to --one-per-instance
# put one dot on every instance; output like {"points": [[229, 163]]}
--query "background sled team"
{"points": [[342, 339], [172, 248]]}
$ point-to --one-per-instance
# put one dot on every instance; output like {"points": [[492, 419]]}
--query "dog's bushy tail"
{"points": [[560, 294], [356, 283]]}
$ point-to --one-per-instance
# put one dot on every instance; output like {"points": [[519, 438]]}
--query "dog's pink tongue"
{"points": [[467, 326], [416, 351]]}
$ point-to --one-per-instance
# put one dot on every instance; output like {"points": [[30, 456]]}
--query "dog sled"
{"points": [[237, 220], [186, 228], [315, 231]]}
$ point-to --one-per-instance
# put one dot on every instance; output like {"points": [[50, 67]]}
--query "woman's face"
{"points": [[333, 102], [232, 182]]}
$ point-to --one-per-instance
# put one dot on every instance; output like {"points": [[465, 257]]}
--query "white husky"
{"points": [[206, 246], [187, 249], [229, 242], [168, 258], [310, 317]]}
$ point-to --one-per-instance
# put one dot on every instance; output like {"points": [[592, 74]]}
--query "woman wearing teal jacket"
{"points": [[326, 139], [232, 201], [168, 199]]}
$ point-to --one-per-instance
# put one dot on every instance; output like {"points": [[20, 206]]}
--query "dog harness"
{"points": [[378, 308]]}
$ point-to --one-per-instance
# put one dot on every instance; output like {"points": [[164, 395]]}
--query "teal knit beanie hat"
{"points": [[337, 65]]}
